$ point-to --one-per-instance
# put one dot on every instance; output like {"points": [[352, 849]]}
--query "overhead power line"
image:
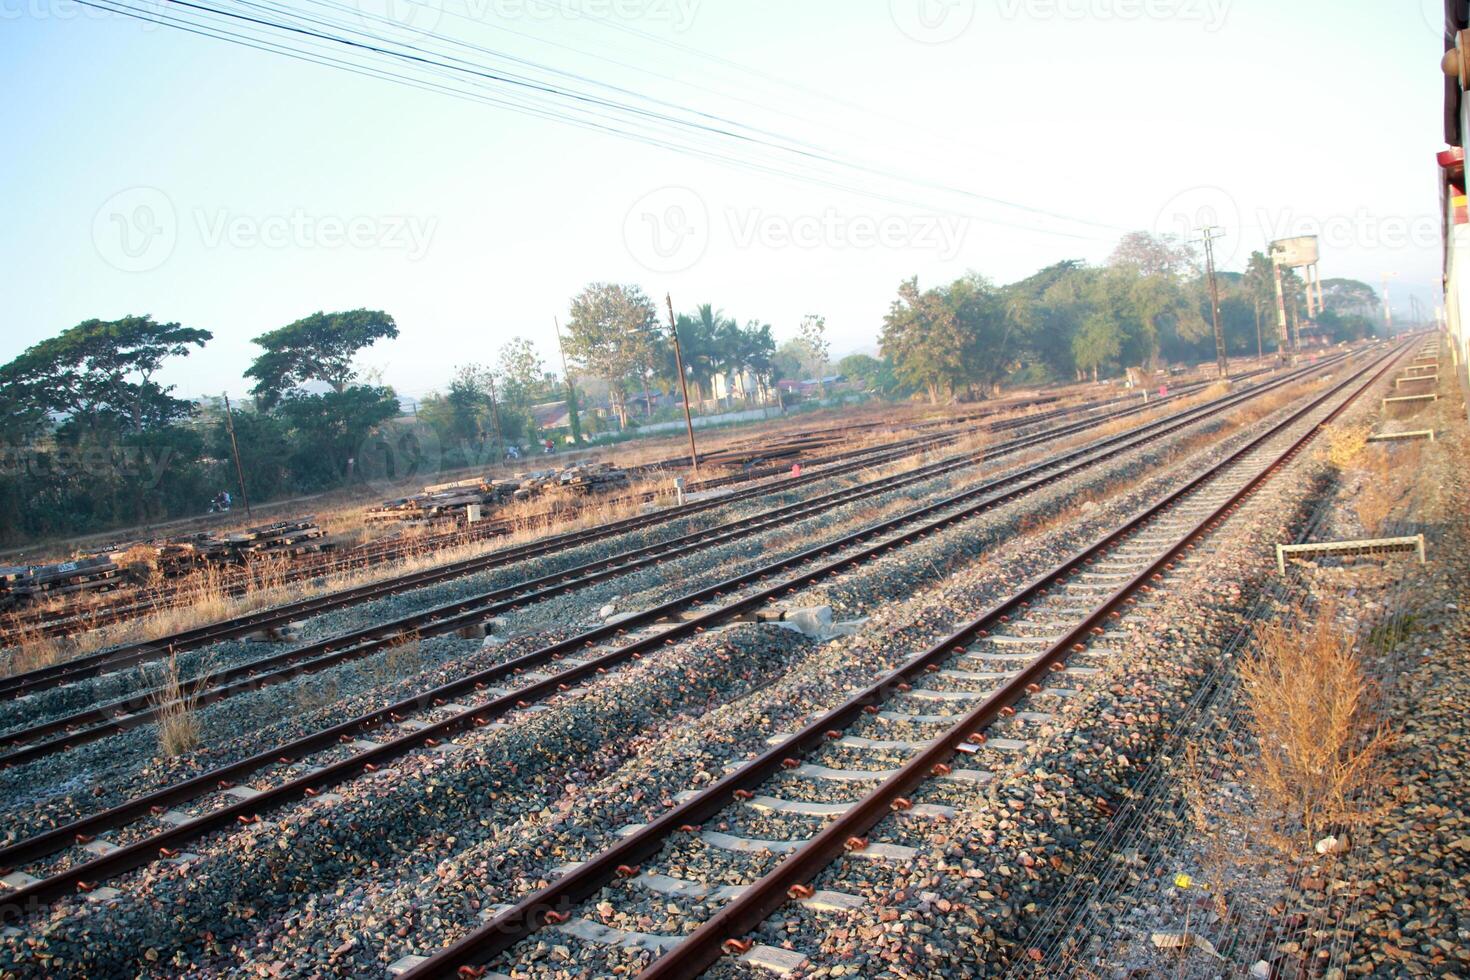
{"points": [[557, 95]]}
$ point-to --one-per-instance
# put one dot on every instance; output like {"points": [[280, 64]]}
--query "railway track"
{"points": [[1010, 666], [245, 578], [143, 706], [75, 857], [50, 623], [122, 657]]}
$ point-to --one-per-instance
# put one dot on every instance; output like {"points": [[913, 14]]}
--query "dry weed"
{"points": [[1322, 747], [177, 704], [1344, 443]]}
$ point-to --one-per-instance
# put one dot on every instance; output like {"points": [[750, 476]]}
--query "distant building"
{"points": [[551, 415]]}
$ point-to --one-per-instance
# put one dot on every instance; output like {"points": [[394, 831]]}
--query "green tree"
{"points": [[319, 347], [329, 429], [873, 373], [1259, 284], [1098, 342], [812, 335], [521, 373], [752, 348], [922, 339], [98, 379], [700, 335], [613, 333]]}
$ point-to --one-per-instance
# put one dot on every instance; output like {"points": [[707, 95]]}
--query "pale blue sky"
{"points": [[473, 224]]}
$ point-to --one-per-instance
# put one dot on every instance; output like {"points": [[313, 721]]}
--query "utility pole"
{"points": [[566, 373], [1286, 334], [495, 416], [683, 383], [235, 448], [1387, 307], [1208, 234]]}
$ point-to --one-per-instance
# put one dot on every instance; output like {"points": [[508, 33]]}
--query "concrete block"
{"points": [[782, 962]]}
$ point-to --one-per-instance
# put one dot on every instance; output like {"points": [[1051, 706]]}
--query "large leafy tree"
{"points": [[521, 373], [874, 374], [752, 348], [922, 338], [1096, 343], [1350, 296], [329, 429], [961, 337], [701, 335], [613, 332], [97, 379], [320, 347]]}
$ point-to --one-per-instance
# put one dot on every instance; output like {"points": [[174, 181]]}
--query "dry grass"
{"points": [[177, 704], [32, 651], [1345, 442], [1323, 749]]}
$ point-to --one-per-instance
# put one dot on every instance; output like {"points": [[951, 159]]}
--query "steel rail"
{"points": [[144, 706], [390, 549], [64, 623], [20, 684], [746, 912], [131, 655], [553, 903], [83, 876]]}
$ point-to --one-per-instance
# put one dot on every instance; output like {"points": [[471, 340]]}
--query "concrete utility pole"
{"points": [[1287, 334], [1208, 234], [683, 384], [1387, 307], [235, 448], [572, 417]]}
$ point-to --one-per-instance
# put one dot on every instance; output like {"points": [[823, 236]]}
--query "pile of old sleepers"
{"points": [[450, 501], [133, 563]]}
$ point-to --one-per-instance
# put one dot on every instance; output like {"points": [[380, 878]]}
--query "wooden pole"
{"points": [[683, 384], [235, 448]]}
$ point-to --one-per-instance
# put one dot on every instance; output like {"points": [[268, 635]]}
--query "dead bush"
{"points": [[1322, 747], [177, 704]]}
